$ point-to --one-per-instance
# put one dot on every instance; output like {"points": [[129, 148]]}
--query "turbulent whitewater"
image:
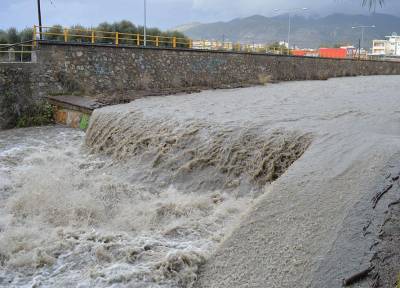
{"points": [[197, 189], [145, 202], [198, 155]]}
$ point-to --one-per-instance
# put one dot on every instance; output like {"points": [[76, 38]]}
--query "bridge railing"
{"points": [[91, 36], [106, 37], [17, 52]]}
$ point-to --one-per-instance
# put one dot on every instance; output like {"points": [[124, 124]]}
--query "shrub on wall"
{"points": [[40, 113], [14, 114]]}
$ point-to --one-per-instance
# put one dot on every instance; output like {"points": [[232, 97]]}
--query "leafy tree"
{"points": [[26, 34], [3, 37], [80, 34], [105, 33], [13, 36], [54, 33]]}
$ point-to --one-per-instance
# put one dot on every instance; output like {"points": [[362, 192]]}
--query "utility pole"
{"points": [[289, 30], [40, 19], [362, 27], [290, 21], [145, 23]]}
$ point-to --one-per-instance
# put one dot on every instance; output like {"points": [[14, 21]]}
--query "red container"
{"points": [[332, 52], [298, 52]]}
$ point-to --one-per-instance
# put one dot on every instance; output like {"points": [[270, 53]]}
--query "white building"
{"points": [[350, 50], [284, 43], [389, 47], [212, 45]]}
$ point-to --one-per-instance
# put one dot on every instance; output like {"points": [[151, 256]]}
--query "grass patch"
{"points": [[84, 123]]}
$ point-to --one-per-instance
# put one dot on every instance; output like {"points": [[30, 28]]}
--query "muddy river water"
{"points": [[267, 186]]}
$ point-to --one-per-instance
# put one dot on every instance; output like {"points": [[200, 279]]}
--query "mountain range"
{"points": [[306, 32]]}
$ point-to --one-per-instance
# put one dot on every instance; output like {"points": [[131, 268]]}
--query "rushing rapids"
{"points": [[197, 155], [69, 218], [150, 213], [160, 192]]}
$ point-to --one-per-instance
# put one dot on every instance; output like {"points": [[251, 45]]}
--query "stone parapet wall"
{"points": [[92, 70]]}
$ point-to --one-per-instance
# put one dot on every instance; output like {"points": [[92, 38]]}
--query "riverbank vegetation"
{"points": [[38, 114], [15, 112]]}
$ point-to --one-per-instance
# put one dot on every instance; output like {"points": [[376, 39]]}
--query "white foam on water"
{"points": [[75, 218]]}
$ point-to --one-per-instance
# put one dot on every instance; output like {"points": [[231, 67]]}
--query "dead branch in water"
{"points": [[357, 277]]}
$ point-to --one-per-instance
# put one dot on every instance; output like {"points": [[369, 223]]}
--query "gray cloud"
{"points": [[164, 13]]}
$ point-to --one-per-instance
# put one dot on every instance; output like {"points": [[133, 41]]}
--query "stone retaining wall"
{"points": [[18, 89], [79, 69], [91, 70]]}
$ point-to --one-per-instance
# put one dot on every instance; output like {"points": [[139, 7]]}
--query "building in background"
{"points": [[389, 47], [351, 51], [284, 43], [380, 47], [212, 45]]}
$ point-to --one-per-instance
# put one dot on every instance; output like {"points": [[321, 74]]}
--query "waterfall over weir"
{"points": [[214, 189], [144, 201], [195, 155]]}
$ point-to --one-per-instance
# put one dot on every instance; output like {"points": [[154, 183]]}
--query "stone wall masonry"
{"points": [[93, 70], [18, 89]]}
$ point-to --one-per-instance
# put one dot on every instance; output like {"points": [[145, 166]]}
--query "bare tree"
{"points": [[373, 3]]}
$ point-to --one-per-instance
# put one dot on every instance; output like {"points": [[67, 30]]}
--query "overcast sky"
{"points": [[165, 13]]}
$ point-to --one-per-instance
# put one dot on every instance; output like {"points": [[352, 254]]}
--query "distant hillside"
{"points": [[306, 32]]}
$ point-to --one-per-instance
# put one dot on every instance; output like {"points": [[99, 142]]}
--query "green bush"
{"points": [[55, 33], [37, 114]]}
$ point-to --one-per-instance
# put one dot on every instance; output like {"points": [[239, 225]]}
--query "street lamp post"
{"points": [[363, 27], [145, 23], [40, 19], [290, 20]]}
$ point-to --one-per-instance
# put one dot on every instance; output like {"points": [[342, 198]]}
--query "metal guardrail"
{"points": [[17, 52], [90, 36], [22, 52], [97, 36]]}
